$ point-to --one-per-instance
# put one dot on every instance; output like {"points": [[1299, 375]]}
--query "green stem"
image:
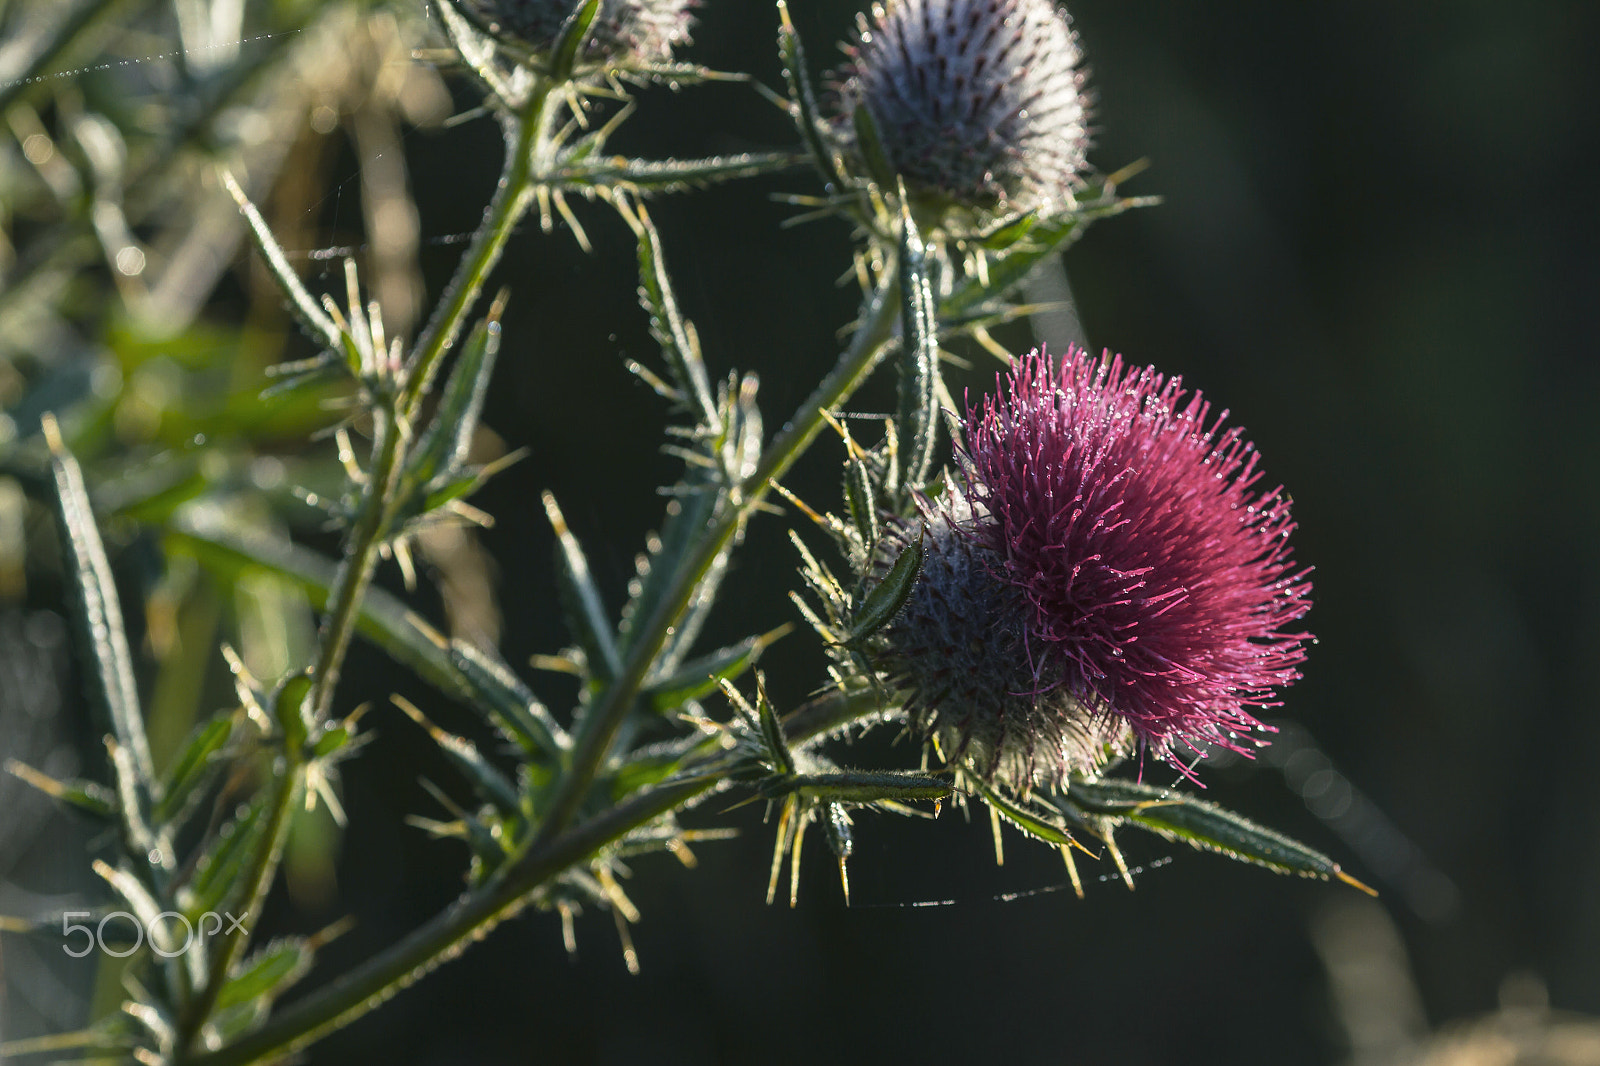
{"points": [[603, 718], [467, 920], [524, 160], [258, 882], [359, 564], [510, 202]]}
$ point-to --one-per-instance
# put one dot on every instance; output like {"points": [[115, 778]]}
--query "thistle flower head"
{"points": [[1108, 574], [636, 30], [976, 102]]}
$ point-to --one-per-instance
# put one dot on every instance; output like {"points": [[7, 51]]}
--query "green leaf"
{"points": [[224, 861], [645, 177], [859, 786], [870, 145], [861, 500], [678, 74], [569, 46], [772, 730], [1177, 816], [688, 514], [803, 102], [654, 764], [441, 451], [293, 713], [918, 416], [492, 786], [1044, 237], [330, 741], [1008, 232], [585, 613], [99, 614], [512, 707], [89, 796], [193, 765], [888, 595], [267, 973], [306, 308], [225, 547], [702, 676], [1031, 823], [1008, 269], [675, 335]]}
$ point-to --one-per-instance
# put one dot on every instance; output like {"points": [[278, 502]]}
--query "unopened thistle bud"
{"points": [[634, 31], [1106, 578], [974, 102]]}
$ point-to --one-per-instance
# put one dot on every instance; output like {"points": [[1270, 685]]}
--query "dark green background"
{"points": [[1378, 249]]}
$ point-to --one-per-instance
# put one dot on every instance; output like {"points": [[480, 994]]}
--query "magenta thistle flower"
{"points": [[978, 102], [1109, 574]]}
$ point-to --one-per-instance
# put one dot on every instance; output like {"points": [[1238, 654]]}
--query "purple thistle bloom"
{"points": [[1109, 574], [977, 102]]}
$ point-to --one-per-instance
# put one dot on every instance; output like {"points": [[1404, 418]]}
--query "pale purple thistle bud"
{"points": [[958, 651], [639, 30], [1132, 579], [979, 102]]}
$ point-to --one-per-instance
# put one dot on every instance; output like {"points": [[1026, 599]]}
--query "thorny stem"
{"points": [[472, 915], [552, 851], [511, 200], [602, 720], [394, 421], [258, 882]]}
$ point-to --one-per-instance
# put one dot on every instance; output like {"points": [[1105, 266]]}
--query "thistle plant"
{"points": [[976, 104], [1086, 580]]}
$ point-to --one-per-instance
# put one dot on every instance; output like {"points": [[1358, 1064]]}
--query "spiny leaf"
{"points": [[89, 796], [700, 677], [861, 500], [223, 863], [306, 307], [99, 614], [860, 786], [918, 418], [441, 451], [888, 595], [456, 670], [193, 765], [569, 46], [1008, 232], [515, 710], [585, 614], [1045, 237], [1029, 822], [806, 114], [644, 177], [267, 972], [492, 786], [1177, 816], [870, 147], [772, 729], [667, 324]]}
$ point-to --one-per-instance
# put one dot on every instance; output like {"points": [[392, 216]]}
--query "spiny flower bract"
{"points": [[956, 649], [1107, 573], [977, 102], [643, 31]]}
